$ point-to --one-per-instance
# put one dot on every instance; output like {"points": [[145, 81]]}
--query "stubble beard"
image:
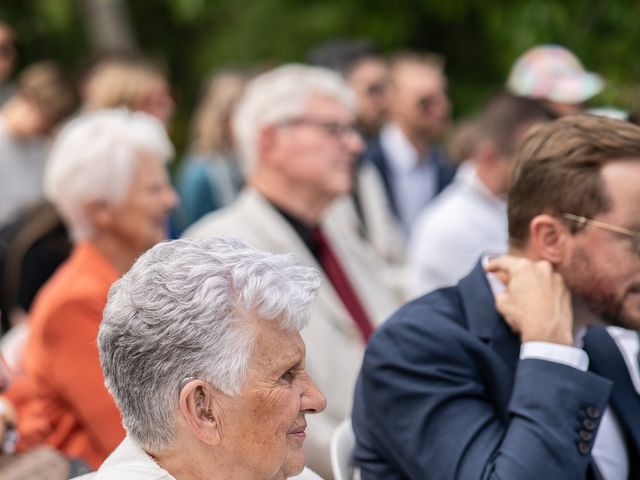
{"points": [[596, 291]]}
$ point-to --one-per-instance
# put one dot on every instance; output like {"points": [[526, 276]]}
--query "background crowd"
{"points": [[350, 158]]}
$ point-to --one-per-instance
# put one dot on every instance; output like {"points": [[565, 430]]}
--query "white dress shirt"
{"points": [[413, 178], [463, 222]]}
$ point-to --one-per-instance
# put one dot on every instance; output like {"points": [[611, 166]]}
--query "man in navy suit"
{"points": [[527, 369]]}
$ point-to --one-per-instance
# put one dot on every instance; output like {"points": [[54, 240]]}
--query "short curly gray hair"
{"points": [[182, 311]]}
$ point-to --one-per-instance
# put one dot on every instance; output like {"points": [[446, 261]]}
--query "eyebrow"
{"points": [[292, 362]]}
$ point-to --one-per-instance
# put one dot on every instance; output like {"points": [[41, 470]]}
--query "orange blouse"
{"points": [[62, 400]]}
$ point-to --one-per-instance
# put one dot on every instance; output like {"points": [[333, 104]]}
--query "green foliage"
{"points": [[479, 38]]}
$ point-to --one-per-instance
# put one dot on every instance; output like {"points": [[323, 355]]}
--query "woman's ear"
{"points": [[548, 238], [99, 213], [200, 409]]}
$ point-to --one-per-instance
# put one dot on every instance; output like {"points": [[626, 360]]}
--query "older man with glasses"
{"points": [[528, 368], [298, 144]]}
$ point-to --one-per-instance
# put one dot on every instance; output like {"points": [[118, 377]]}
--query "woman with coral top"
{"points": [[106, 176]]}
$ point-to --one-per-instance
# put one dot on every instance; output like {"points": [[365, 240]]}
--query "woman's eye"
{"points": [[288, 376]]}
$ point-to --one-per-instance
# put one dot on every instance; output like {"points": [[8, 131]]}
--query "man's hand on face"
{"points": [[537, 302]]}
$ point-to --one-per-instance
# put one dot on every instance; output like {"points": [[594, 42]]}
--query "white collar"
{"points": [[401, 154], [629, 346]]}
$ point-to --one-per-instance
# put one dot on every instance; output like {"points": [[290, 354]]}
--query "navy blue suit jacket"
{"points": [[443, 395]]}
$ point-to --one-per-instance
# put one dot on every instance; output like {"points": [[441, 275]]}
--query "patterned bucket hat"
{"points": [[552, 72]]}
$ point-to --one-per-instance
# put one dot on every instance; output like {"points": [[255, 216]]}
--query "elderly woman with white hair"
{"points": [[201, 350], [106, 175]]}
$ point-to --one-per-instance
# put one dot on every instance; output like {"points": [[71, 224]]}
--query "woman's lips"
{"points": [[298, 430]]}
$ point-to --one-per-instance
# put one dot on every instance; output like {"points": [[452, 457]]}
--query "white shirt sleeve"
{"points": [[553, 352]]}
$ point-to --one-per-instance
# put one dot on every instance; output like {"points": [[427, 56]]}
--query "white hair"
{"points": [[94, 158], [182, 311], [278, 95]]}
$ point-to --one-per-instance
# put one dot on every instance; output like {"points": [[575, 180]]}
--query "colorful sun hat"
{"points": [[552, 72]]}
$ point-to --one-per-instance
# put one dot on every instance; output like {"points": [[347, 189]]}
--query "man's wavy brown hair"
{"points": [[557, 169]]}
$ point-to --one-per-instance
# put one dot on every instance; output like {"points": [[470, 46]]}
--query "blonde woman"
{"points": [[210, 177]]}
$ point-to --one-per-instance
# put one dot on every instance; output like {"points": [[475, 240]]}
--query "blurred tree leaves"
{"points": [[479, 38]]}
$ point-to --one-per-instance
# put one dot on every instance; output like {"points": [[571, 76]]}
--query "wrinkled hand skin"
{"points": [[537, 302]]}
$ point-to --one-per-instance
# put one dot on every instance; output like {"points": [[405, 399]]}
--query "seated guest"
{"points": [[298, 142], [131, 81], [201, 350], [410, 164], [488, 379], [210, 175], [106, 175], [42, 100], [36, 242], [470, 216]]}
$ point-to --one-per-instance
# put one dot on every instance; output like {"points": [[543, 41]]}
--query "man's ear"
{"points": [[267, 143], [99, 214], [201, 410], [548, 238]]}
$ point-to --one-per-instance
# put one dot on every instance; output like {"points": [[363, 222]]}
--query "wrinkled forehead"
{"points": [[274, 347]]}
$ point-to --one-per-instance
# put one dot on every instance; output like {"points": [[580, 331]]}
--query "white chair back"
{"points": [[342, 443]]}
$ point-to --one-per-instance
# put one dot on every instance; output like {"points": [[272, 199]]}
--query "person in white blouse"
{"points": [[470, 216], [201, 350]]}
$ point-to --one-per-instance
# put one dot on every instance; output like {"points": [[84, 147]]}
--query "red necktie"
{"points": [[341, 284]]}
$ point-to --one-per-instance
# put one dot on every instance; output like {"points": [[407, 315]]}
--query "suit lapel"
{"points": [[277, 236], [605, 359], [375, 155], [483, 319], [445, 171]]}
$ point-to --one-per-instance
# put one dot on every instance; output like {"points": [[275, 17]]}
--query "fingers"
{"points": [[507, 265], [504, 262], [536, 302]]}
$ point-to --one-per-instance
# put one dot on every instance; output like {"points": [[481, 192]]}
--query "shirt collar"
{"points": [[400, 153]]}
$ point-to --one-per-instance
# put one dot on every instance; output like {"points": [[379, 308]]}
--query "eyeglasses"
{"points": [[633, 235], [334, 129]]}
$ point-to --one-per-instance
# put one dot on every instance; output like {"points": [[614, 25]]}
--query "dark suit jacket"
{"points": [[445, 169], [443, 395]]}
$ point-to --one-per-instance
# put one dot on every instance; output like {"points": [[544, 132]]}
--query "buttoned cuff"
{"points": [[553, 352]]}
